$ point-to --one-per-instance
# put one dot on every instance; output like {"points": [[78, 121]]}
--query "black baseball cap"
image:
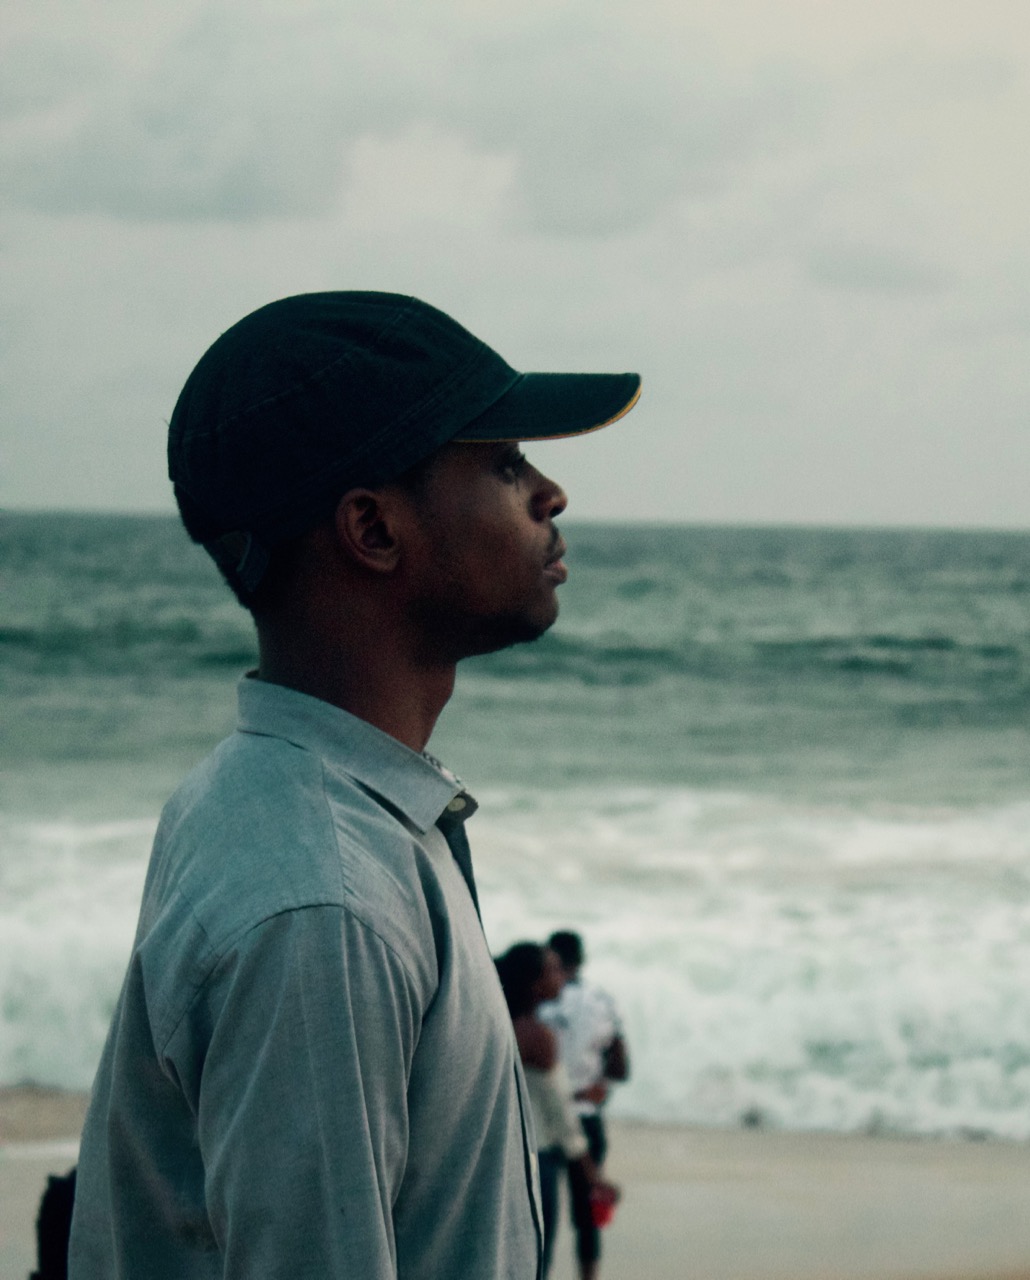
{"points": [[315, 394]]}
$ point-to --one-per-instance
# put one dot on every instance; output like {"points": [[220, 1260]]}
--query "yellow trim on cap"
{"points": [[561, 435]]}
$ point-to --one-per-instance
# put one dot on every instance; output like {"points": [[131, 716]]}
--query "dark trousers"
{"points": [[551, 1162], [588, 1237]]}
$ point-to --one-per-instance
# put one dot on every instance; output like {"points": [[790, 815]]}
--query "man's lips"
{"points": [[554, 566]]}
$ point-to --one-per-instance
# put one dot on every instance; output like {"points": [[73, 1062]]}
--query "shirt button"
{"points": [[456, 805]]}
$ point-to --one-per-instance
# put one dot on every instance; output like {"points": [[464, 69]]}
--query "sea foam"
{"points": [[796, 966]]}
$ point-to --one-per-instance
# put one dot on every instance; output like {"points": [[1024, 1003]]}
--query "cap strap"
{"points": [[240, 557]]}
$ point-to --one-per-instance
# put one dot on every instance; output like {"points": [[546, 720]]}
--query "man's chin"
{"points": [[494, 634]]}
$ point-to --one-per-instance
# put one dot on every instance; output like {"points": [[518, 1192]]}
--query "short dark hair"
{"points": [[569, 947], [519, 969]]}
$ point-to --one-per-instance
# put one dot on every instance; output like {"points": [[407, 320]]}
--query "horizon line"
{"points": [[635, 522]]}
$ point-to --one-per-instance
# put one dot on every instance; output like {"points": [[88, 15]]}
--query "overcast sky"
{"points": [[805, 222]]}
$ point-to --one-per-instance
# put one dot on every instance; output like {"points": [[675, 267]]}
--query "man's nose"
{"points": [[550, 499]]}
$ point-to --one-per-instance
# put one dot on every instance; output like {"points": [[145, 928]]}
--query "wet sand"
{"points": [[699, 1204]]}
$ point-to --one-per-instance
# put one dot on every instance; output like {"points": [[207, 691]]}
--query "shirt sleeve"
{"points": [[302, 1116], [606, 1015]]}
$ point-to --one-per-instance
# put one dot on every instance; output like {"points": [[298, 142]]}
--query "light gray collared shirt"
{"points": [[311, 1070]]}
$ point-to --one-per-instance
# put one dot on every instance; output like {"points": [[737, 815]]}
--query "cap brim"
{"points": [[552, 406]]}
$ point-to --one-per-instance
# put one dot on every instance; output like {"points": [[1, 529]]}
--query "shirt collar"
{"points": [[418, 785]]}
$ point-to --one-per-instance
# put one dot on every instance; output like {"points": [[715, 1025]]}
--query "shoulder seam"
{"points": [[218, 957]]}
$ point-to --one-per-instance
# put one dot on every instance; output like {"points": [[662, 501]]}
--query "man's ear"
{"points": [[366, 529]]}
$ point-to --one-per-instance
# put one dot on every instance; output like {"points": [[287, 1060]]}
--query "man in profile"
{"points": [[311, 1071]]}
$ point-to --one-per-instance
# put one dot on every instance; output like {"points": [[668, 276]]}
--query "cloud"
{"points": [[252, 109], [605, 120], [875, 267], [424, 175], [40, 72], [612, 120], [211, 127]]}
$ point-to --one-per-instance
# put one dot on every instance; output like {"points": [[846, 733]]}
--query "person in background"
{"points": [[592, 1048], [531, 974], [310, 1071], [52, 1227]]}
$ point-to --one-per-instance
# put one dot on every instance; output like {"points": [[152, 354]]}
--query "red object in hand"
{"points": [[603, 1199]]}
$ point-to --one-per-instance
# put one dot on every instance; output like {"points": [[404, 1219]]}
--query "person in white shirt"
{"points": [[530, 975], [592, 1049]]}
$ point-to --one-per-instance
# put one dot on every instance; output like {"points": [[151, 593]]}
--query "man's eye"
{"points": [[513, 465]]}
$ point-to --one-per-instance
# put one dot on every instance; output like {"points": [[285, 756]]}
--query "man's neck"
{"points": [[377, 685]]}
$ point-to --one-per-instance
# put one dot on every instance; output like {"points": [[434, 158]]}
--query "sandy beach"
{"points": [[699, 1204]]}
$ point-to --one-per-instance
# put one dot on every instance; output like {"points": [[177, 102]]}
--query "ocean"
{"points": [[778, 778]]}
